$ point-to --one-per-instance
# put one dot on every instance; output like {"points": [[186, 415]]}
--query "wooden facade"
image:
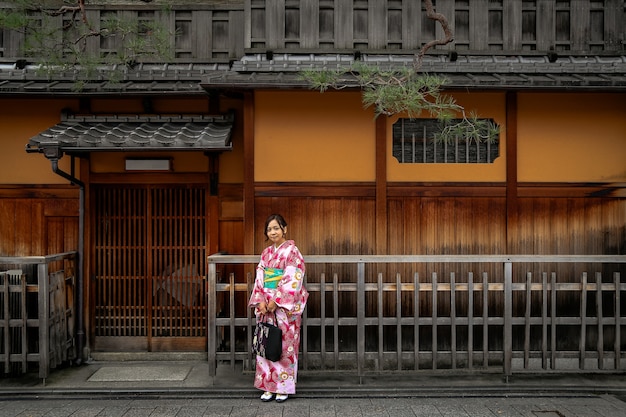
{"points": [[220, 31], [324, 162]]}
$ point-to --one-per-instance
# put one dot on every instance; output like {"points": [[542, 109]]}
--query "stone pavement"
{"points": [[183, 388], [561, 406]]}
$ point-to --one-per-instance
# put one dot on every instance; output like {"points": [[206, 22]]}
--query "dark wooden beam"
{"points": [[315, 189]]}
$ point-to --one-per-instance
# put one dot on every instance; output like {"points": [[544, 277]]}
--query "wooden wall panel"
{"points": [[26, 225], [219, 32], [591, 226], [39, 229], [55, 227], [231, 236], [340, 226], [448, 225], [492, 26], [7, 229]]}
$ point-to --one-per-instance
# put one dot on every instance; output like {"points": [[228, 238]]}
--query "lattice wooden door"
{"points": [[149, 265]]}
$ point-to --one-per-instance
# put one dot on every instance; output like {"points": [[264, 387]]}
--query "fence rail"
{"points": [[37, 312], [409, 313]]}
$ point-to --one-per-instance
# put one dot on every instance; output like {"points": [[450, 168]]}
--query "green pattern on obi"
{"points": [[271, 277]]}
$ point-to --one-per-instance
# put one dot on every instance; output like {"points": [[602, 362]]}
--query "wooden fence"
{"points": [[37, 312], [380, 313]]}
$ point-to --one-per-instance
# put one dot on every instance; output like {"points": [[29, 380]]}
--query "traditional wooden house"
{"points": [[147, 176]]}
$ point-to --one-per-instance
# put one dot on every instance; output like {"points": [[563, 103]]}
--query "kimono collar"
{"points": [[283, 245]]}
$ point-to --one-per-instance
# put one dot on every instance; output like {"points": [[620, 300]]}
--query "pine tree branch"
{"points": [[447, 31]]}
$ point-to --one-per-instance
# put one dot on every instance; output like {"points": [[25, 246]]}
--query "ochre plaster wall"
{"points": [[562, 137], [20, 120], [572, 137], [310, 136]]}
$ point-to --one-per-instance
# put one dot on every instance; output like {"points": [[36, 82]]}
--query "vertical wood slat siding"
{"points": [[411, 27], [309, 23], [344, 23], [38, 225], [376, 28], [491, 26], [215, 34], [579, 24], [545, 25], [221, 33]]}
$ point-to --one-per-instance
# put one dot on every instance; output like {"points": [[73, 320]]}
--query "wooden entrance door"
{"points": [[150, 244]]}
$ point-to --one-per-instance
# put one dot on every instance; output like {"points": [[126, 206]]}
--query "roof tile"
{"points": [[106, 133]]}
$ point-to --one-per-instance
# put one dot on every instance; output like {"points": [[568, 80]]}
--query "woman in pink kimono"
{"points": [[278, 291]]}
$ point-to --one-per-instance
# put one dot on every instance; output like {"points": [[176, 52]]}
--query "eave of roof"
{"points": [[81, 134], [144, 79], [282, 71]]}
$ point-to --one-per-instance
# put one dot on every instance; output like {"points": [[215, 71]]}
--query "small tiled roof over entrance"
{"points": [[80, 134]]}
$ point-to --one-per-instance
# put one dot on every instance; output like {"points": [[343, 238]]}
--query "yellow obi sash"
{"points": [[271, 277]]}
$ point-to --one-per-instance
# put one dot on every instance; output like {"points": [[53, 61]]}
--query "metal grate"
{"points": [[415, 141]]}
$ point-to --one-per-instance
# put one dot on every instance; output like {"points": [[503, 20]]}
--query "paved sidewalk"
{"points": [[560, 406], [184, 388]]}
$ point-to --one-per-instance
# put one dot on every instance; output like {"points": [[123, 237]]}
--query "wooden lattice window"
{"points": [[562, 22], [394, 24], [184, 36], [417, 141], [495, 30], [292, 24], [461, 25], [327, 24], [529, 25], [108, 44]]}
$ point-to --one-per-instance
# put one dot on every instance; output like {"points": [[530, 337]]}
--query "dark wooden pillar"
{"points": [[248, 172], [213, 202], [512, 211], [381, 185]]}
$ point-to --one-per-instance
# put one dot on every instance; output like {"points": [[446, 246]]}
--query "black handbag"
{"points": [[267, 340]]}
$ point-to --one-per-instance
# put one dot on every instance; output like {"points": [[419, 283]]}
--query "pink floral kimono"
{"points": [[279, 277]]}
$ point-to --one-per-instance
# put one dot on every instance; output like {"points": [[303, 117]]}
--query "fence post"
{"points": [[508, 320], [211, 328], [618, 319], [360, 314], [44, 326]]}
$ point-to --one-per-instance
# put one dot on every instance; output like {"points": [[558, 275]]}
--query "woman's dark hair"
{"points": [[279, 219]]}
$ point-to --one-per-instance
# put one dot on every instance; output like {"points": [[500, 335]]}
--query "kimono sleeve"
{"points": [[291, 294], [258, 294]]}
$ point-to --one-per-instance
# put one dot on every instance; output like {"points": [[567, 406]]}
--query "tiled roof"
{"points": [[281, 70], [517, 72], [142, 79], [112, 133]]}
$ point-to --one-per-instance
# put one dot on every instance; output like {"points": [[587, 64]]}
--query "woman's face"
{"points": [[275, 233]]}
